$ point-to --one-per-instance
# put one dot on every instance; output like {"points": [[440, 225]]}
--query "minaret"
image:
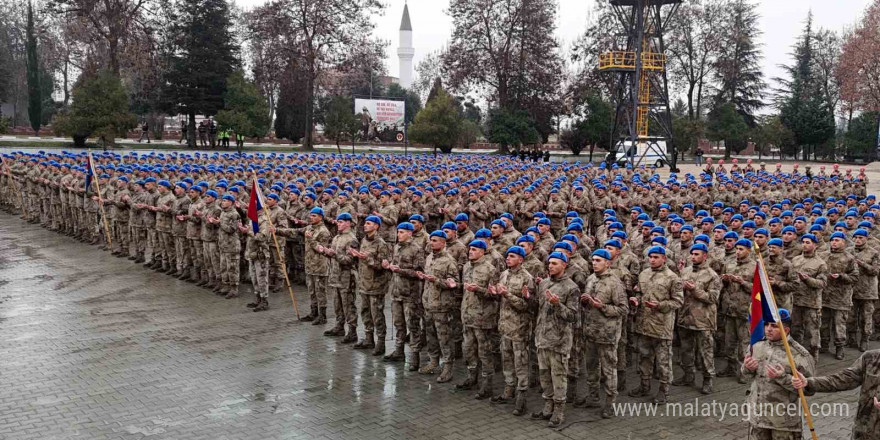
{"points": [[405, 51]]}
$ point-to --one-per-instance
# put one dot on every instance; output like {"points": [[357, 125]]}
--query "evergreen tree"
{"points": [[99, 109], [203, 54], [290, 118], [246, 111], [35, 98], [738, 65]]}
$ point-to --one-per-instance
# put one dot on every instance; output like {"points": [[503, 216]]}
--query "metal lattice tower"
{"points": [[642, 90]]}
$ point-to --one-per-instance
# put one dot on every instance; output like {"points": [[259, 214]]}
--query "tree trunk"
{"points": [[592, 147], [191, 129], [307, 144]]}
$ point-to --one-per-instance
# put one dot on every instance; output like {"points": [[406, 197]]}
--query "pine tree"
{"points": [[35, 99], [738, 66]]}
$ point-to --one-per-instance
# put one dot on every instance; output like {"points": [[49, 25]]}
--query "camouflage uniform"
{"points": [[735, 305], [258, 255], [837, 297], [342, 282], [514, 325], [164, 235], [136, 222], [194, 236], [182, 248], [157, 252], [655, 325], [807, 300], [276, 267], [230, 249], [782, 272], [372, 286], [406, 295], [861, 320], [479, 315], [602, 329], [317, 264], [554, 336], [121, 233], [439, 302], [864, 374], [211, 253], [697, 318]]}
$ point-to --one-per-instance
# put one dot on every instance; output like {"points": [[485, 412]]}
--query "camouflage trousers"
{"points": [[553, 367], [783, 300], [343, 305], [57, 220], [198, 255], [90, 224], [183, 253], [700, 343], [456, 328], [229, 267], [756, 433], [157, 252], [515, 363], [295, 259], [121, 237], [439, 336], [317, 287], [169, 253], [373, 315], [276, 276], [478, 349], [138, 241], [406, 315], [602, 367], [833, 327], [651, 348], [805, 326], [259, 270], [736, 338], [861, 320], [624, 343], [576, 357], [211, 260]]}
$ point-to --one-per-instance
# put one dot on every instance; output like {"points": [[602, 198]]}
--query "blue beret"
{"points": [[789, 229], [417, 218], [614, 243], [558, 256], [544, 221], [575, 227], [483, 233], [570, 237], [744, 242], [516, 250], [703, 238], [525, 239], [860, 233], [406, 226], [440, 234], [648, 224], [461, 217], [661, 239], [839, 235], [699, 247], [731, 235], [229, 197], [150, 180], [480, 244], [810, 237], [165, 183], [657, 250], [344, 217], [449, 225], [374, 219], [775, 242], [563, 245], [762, 231], [211, 193], [601, 253], [499, 223], [273, 196], [687, 228], [619, 235], [318, 211]]}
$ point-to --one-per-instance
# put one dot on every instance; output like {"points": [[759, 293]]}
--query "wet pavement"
{"points": [[95, 347]]}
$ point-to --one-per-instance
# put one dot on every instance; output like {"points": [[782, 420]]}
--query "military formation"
{"points": [[547, 273]]}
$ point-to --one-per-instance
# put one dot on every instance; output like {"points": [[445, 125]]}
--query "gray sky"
{"points": [[781, 22]]}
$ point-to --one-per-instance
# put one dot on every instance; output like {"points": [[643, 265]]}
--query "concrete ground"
{"points": [[95, 347]]}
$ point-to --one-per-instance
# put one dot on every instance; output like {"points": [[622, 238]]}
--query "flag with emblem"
{"points": [[763, 308]]}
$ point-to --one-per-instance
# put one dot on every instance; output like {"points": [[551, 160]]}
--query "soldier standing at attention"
{"points": [[164, 223], [229, 246], [479, 315], [372, 285], [772, 385], [812, 276], [179, 211], [659, 296], [407, 259], [737, 294], [439, 297], [258, 255], [210, 223], [342, 283], [557, 311], [861, 324], [317, 263], [837, 302]]}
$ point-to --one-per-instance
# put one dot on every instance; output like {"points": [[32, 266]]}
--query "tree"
{"points": [[429, 69], [859, 67], [203, 54], [438, 124], [290, 121], [246, 111], [35, 99], [687, 133], [694, 43], [771, 132], [99, 108], [512, 127], [860, 140], [340, 122], [738, 65], [412, 102], [726, 124]]}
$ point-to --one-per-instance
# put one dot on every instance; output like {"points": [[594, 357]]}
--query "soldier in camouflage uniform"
{"points": [[179, 212], [861, 321], [659, 296], [605, 301], [812, 273], [198, 270], [843, 272], [372, 285], [439, 298], [317, 263], [136, 222], [148, 213], [516, 288], [697, 318], [737, 299], [770, 370], [780, 273], [407, 259], [558, 309], [342, 282], [479, 315], [257, 254], [211, 253], [229, 245], [164, 219], [121, 233]]}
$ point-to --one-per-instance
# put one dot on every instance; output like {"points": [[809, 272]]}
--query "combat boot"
{"points": [[470, 381], [643, 390], [415, 360], [335, 331], [728, 371], [311, 316], [380, 347], [571, 390], [350, 337], [366, 343], [431, 367], [608, 409], [321, 319], [686, 380], [707, 386], [519, 407], [263, 305], [545, 413], [558, 415], [256, 302], [839, 354], [863, 346], [662, 395], [505, 395], [591, 400], [621, 381], [396, 355], [232, 293], [485, 391], [445, 373]]}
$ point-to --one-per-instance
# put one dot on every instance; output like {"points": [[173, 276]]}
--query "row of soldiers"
{"points": [[661, 274]]}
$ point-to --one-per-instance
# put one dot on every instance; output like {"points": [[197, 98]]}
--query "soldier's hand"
{"points": [[652, 304], [803, 276], [876, 403], [834, 275], [551, 297], [799, 382], [385, 264], [775, 370], [272, 229], [750, 363], [689, 285], [492, 290], [329, 251], [585, 298], [525, 292], [470, 287], [319, 248], [634, 301], [451, 283], [394, 268], [596, 303]]}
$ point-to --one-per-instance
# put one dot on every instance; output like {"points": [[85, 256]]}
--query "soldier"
{"points": [[768, 365], [198, 271], [479, 315], [862, 374], [659, 295], [136, 222], [557, 310], [780, 273], [407, 259], [164, 223], [210, 213], [516, 288], [179, 211], [342, 282], [606, 307], [229, 246], [837, 296], [317, 263], [697, 318], [737, 294], [278, 219], [121, 234], [812, 273], [258, 256], [372, 284], [440, 299], [148, 212], [861, 321]]}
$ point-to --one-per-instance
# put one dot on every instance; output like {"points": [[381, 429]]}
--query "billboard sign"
{"points": [[381, 119]]}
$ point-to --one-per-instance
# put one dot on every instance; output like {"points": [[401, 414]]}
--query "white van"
{"points": [[654, 151]]}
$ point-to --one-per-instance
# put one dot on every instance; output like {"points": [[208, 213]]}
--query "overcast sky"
{"points": [[781, 22]]}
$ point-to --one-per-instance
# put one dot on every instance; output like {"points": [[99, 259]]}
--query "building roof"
{"points": [[405, 24]]}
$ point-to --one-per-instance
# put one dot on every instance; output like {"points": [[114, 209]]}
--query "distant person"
{"points": [[212, 133], [145, 132], [203, 134], [698, 157], [183, 131]]}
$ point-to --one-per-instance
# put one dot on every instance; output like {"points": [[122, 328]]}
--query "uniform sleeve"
{"points": [[872, 267], [852, 272], [568, 311], [343, 257], [676, 297], [618, 306], [710, 293], [848, 379], [820, 281]]}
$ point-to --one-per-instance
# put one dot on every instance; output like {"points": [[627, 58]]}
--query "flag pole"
{"points": [[278, 252], [100, 200], [791, 362]]}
